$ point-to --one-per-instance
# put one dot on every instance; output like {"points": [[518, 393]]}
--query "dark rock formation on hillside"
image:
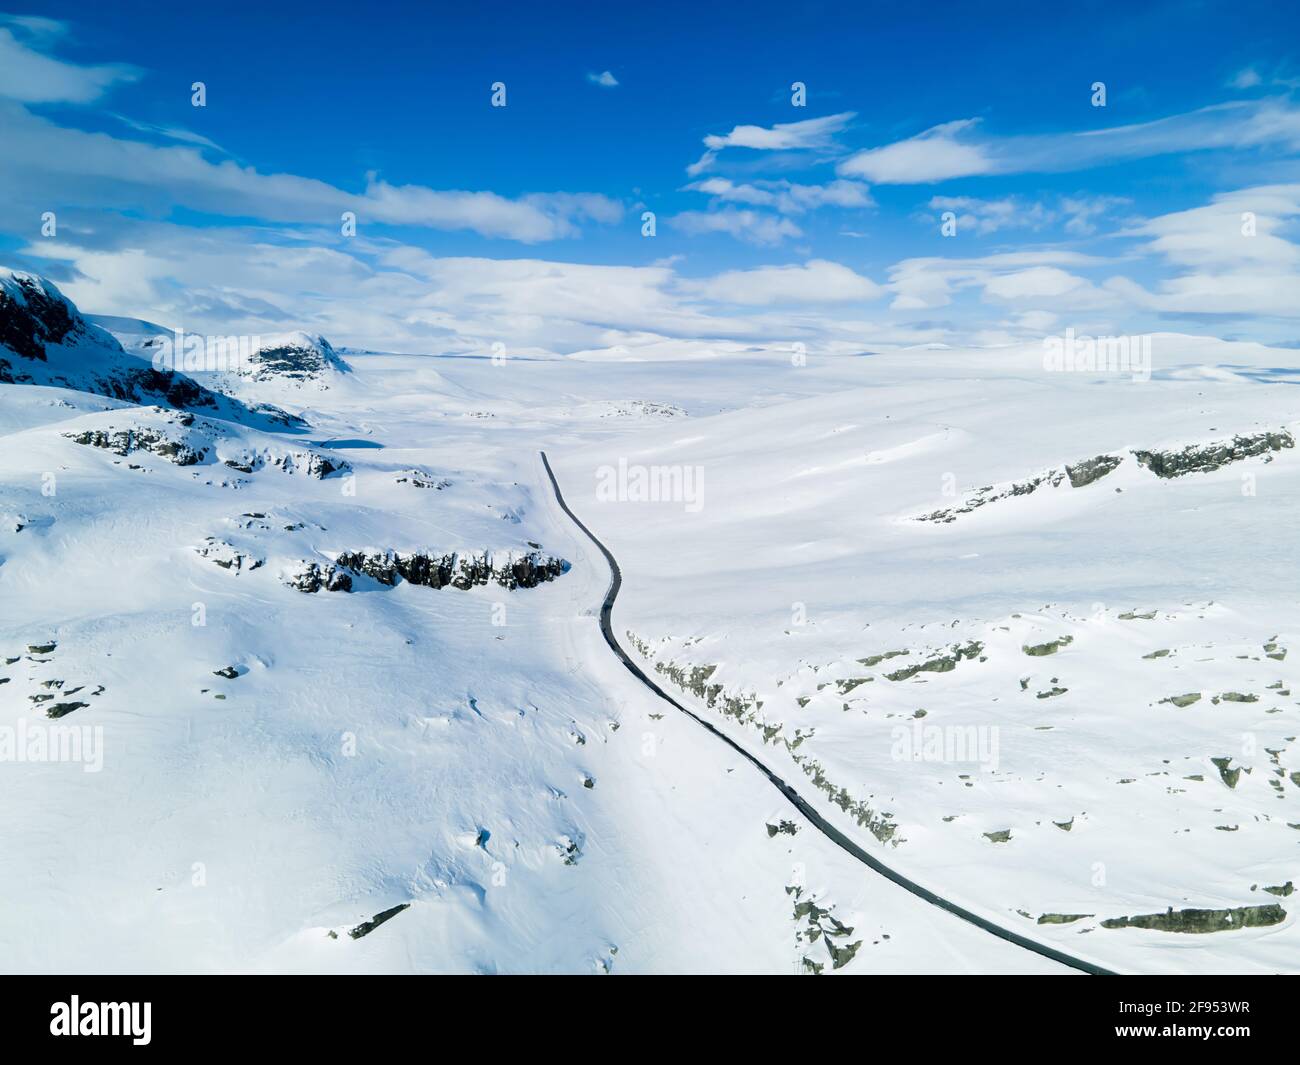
{"points": [[318, 576], [1202, 458], [507, 568]]}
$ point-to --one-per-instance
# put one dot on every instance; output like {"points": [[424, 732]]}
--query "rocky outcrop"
{"points": [[52, 343], [1195, 458], [509, 569], [227, 556], [156, 441], [46, 331], [1040, 650], [366, 927], [1084, 473], [820, 924], [1203, 921], [419, 479], [186, 440], [318, 576], [297, 357], [992, 494], [746, 709], [1202, 458], [942, 663], [33, 313], [293, 460]]}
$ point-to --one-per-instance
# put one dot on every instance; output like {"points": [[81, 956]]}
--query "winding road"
{"points": [[810, 814]]}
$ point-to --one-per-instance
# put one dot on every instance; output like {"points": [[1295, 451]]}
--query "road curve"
{"points": [[814, 818]]}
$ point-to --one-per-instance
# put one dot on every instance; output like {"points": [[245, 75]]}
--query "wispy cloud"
{"points": [[806, 135], [605, 79], [988, 216], [1078, 215], [816, 281], [46, 161], [1246, 78], [786, 196], [174, 133], [955, 149], [33, 77], [752, 226]]}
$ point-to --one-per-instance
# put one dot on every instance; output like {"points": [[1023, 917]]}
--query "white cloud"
{"points": [[29, 76], [752, 226], [954, 150], [175, 133], [45, 162], [1012, 212], [786, 196], [1246, 78], [1216, 235], [1034, 283], [605, 80], [988, 216], [816, 281], [927, 283], [807, 135], [1080, 211], [934, 155], [1226, 268]]}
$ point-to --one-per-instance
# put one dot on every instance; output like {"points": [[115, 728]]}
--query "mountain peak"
{"points": [[295, 356]]}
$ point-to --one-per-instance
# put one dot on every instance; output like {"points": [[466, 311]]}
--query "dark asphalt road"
{"points": [[813, 817]]}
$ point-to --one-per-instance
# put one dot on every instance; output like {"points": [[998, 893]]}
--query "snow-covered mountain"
{"points": [[329, 652], [48, 341]]}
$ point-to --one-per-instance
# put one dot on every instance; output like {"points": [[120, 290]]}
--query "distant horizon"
{"points": [[460, 180]]}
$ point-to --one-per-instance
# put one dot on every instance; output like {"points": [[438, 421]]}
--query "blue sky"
{"points": [[774, 223]]}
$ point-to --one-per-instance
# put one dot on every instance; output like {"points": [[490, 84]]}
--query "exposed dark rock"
{"points": [[60, 709], [745, 709], [420, 479], [1229, 776], [366, 927], [1203, 921], [992, 494], [819, 923], [508, 569], [296, 357], [295, 460], [1039, 650], [35, 318], [1195, 458], [1202, 458], [941, 663], [126, 441], [315, 576], [227, 556], [1084, 473]]}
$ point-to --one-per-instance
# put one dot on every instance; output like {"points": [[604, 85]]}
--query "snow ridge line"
{"points": [[793, 797]]}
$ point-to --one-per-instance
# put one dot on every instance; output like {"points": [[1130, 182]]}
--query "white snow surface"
{"points": [[481, 758]]}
